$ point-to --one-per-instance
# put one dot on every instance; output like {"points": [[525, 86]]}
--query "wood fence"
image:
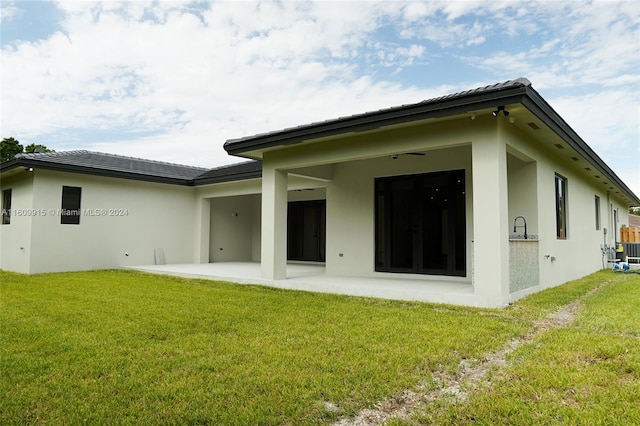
{"points": [[630, 234]]}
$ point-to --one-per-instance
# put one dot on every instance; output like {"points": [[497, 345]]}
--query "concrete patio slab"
{"points": [[313, 277]]}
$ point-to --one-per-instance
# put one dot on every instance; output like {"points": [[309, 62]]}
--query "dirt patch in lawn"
{"points": [[456, 387]]}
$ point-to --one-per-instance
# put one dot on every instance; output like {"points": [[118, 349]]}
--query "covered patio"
{"points": [[313, 277]]}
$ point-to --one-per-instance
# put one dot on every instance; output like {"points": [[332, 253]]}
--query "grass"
{"points": [[586, 374], [121, 347]]}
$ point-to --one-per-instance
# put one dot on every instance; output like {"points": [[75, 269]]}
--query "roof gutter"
{"points": [[257, 174]]}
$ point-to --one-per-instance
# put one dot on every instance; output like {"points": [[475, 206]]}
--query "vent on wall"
{"points": [[574, 158], [533, 125], [557, 145]]}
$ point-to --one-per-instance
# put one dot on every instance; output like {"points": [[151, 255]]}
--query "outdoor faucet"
{"points": [[515, 221]]}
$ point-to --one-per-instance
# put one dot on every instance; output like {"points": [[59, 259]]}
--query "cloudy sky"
{"points": [[173, 80]]}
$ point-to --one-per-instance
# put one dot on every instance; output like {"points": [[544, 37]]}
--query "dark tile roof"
{"points": [[111, 165], [509, 84], [99, 161], [348, 120], [240, 171], [121, 163]]}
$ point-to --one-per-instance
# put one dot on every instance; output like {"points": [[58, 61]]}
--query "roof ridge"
{"points": [[104, 154], [517, 82], [234, 169], [50, 153], [145, 160], [240, 163]]}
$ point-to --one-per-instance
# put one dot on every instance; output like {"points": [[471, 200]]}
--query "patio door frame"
{"points": [[306, 230], [420, 224]]}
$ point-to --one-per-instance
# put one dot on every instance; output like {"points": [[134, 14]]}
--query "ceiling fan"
{"points": [[395, 156]]}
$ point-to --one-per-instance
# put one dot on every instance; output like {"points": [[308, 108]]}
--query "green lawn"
{"points": [[121, 347], [585, 374]]}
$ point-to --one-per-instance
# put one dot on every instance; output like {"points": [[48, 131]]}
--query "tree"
{"points": [[9, 147], [31, 148], [634, 210]]}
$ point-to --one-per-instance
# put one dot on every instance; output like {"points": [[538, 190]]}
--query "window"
{"points": [[597, 201], [6, 207], [561, 207], [70, 212]]}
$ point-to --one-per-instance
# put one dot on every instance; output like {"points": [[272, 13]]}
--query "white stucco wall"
{"points": [[350, 205], [238, 236], [256, 227], [140, 217], [579, 254], [232, 229], [532, 187], [529, 166], [15, 237], [523, 201]]}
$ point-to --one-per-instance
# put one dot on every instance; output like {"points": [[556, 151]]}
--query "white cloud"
{"points": [[594, 43], [142, 74], [476, 40], [195, 74], [607, 117], [239, 71], [410, 53], [609, 121], [8, 11]]}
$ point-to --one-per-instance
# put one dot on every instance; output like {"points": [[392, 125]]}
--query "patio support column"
{"points": [[202, 230], [274, 224], [490, 220]]}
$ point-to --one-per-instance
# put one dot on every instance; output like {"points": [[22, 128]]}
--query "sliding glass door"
{"points": [[306, 231], [420, 223]]}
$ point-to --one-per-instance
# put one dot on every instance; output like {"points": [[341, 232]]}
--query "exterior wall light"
{"points": [[500, 108]]}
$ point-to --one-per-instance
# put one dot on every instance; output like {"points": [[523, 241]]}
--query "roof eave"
{"points": [[541, 109], [39, 164], [229, 178], [524, 95], [374, 120]]}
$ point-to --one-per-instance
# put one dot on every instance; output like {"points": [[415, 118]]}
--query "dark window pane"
{"points": [[6, 207], [402, 226], [561, 207], [381, 226], [70, 212], [436, 221]]}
